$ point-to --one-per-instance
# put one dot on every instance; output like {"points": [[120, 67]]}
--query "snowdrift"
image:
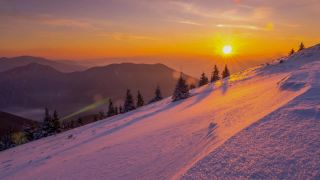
{"points": [[260, 123]]}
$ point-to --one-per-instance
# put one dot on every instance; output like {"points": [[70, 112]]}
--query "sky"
{"points": [[91, 29]]}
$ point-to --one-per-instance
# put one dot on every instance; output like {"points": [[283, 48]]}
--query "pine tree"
{"points": [[291, 52], [215, 74], [111, 109], [80, 121], [129, 102], [72, 124], [301, 47], [47, 123], [181, 90], [51, 124], [102, 116], [116, 111], [140, 101], [29, 133], [192, 86], [226, 72], [158, 95], [6, 141], [56, 123], [64, 125], [38, 133], [203, 80]]}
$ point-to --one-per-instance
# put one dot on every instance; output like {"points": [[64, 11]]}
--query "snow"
{"points": [[261, 123], [283, 145]]}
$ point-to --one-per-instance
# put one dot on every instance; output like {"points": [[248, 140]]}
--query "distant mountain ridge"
{"points": [[35, 86], [13, 62], [10, 122], [31, 68]]}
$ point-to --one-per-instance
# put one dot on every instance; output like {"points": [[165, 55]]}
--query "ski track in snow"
{"points": [[261, 123]]}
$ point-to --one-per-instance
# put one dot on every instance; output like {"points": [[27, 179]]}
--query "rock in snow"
{"points": [[262, 123]]}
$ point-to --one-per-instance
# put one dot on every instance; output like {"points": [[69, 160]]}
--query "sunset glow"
{"points": [[94, 29], [159, 89]]}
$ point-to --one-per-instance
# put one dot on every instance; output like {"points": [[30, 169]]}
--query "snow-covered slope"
{"points": [[260, 123], [283, 145]]}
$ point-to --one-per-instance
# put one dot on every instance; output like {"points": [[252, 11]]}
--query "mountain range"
{"points": [[35, 86], [63, 66]]}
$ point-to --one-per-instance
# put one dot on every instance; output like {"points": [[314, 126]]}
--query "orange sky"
{"points": [[88, 29]]}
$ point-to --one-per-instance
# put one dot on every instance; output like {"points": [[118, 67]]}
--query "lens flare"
{"points": [[87, 108]]}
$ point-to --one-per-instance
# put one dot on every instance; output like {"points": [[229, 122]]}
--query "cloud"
{"points": [[235, 12], [190, 23], [291, 25], [244, 6], [268, 26], [262, 12], [63, 22], [66, 23], [119, 36], [50, 20], [192, 9]]}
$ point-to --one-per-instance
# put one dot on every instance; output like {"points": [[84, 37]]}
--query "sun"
{"points": [[227, 49]]}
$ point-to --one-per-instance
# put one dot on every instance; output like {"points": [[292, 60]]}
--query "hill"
{"points": [[262, 123], [63, 66], [12, 122], [35, 86]]}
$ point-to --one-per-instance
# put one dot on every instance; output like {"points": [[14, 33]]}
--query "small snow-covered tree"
{"points": [[129, 102], [301, 47], [181, 90], [140, 101], [158, 95], [215, 74], [226, 72], [203, 80]]}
